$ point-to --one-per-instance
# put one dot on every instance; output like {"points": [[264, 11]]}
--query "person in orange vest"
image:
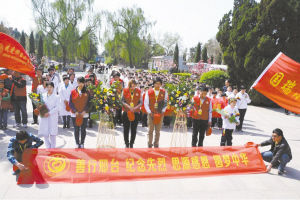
{"points": [[116, 78], [36, 81], [216, 104], [19, 99], [202, 115], [155, 104], [132, 102]]}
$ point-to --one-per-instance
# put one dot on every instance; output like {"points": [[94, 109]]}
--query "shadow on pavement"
{"points": [[42, 186], [292, 173]]}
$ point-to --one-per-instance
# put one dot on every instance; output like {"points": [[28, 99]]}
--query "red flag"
{"points": [[98, 165], [13, 56], [280, 82]]}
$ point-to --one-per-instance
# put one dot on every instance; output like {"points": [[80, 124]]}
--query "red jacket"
{"points": [[216, 104]]}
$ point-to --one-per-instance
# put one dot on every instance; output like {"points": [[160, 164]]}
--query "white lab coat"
{"points": [[64, 95], [74, 84], [55, 80], [41, 90], [49, 125]]}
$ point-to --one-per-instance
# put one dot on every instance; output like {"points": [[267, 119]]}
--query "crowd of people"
{"points": [[144, 100]]}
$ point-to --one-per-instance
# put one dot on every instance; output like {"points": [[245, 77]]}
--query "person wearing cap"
{"points": [[242, 104], [53, 78], [64, 91], [36, 81], [229, 126], [155, 104], [202, 116], [132, 101], [16, 147], [279, 154]]}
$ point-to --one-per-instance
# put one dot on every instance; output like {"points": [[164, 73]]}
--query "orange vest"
{"points": [[35, 83], [216, 104], [131, 99], [203, 106], [152, 99], [20, 92], [143, 106], [79, 101]]}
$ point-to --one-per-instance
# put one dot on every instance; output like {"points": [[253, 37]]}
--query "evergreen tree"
{"points": [[204, 55], [40, 52], [31, 43], [176, 57], [22, 40], [198, 53]]}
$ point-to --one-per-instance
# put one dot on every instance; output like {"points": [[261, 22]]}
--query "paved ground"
{"points": [[259, 124]]}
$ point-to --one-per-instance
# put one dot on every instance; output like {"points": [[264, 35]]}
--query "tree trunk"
{"points": [[64, 50]]}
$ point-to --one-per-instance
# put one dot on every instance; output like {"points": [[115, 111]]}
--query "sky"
{"points": [[194, 20]]}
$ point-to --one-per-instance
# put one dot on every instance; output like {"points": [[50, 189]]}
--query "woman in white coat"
{"points": [[48, 126], [64, 95]]}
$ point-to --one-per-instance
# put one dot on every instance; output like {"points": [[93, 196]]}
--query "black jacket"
{"points": [[278, 149]]}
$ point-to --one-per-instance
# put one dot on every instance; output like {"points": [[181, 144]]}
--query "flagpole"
{"points": [[267, 68]]}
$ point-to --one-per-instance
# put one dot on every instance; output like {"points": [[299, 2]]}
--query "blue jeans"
{"points": [[3, 117], [283, 160]]}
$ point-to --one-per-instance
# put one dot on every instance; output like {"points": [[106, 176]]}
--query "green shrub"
{"points": [[183, 74], [214, 78]]}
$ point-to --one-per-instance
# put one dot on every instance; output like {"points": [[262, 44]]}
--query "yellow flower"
{"points": [[106, 108], [184, 108], [177, 95], [177, 101], [105, 97], [171, 98], [113, 98], [97, 107], [104, 90], [98, 92], [186, 94], [178, 92]]}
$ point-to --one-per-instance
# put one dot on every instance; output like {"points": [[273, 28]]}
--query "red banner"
{"points": [[280, 82], [13, 56], [98, 165]]}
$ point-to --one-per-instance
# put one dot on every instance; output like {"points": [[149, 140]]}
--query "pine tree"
{"points": [[31, 43], [22, 40], [204, 55], [176, 57], [40, 52], [198, 53]]}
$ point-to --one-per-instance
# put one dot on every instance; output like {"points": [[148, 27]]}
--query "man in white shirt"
{"points": [[242, 104]]}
